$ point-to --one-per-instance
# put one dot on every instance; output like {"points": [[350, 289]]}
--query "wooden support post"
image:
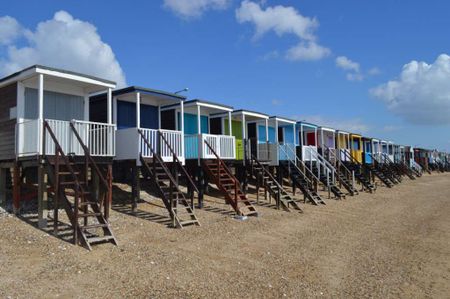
{"points": [[108, 203], [16, 188], [3, 172], [135, 187], [42, 196], [96, 192], [200, 186]]}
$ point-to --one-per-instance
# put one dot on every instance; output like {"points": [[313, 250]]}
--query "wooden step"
{"points": [[91, 226], [62, 173], [70, 183], [188, 222], [100, 239], [82, 215]]}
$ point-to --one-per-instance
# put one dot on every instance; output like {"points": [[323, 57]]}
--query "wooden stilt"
{"points": [[135, 187], [16, 188], [42, 196], [108, 203], [201, 186], [3, 172]]}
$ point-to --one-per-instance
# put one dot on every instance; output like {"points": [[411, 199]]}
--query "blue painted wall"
{"points": [[126, 115], [288, 134], [367, 151], [262, 134], [190, 123]]}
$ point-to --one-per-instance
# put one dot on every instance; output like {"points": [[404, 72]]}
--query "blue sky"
{"points": [[212, 50]]}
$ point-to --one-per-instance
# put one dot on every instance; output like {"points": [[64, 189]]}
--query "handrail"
{"points": [[61, 152], [348, 155], [267, 173], [175, 157], [93, 123], [78, 188], [324, 163], [169, 174], [221, 162], [87, 154], [302, 163], [336, 158]]}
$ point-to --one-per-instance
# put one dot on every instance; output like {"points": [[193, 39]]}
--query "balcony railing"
{"points": [[223, 145], [174, 139], [99, 138]]}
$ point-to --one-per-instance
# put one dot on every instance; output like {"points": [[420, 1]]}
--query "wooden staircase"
{"points": [[166, 181], [381, 175], [362, 172], [406, 170], [306, 186], [384, 171], [263, 177], [327, 182], [228, 185], [343, 175], [87, 207]]}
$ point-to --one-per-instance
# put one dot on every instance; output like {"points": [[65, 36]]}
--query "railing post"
{"points": [[75, 224]]}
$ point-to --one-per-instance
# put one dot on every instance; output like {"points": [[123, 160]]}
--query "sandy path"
{"points": [[395, 243]]}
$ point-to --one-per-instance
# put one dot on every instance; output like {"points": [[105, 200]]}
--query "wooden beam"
{"points": [[16, 188], [135, 187], [3, 187], [42, 197]]}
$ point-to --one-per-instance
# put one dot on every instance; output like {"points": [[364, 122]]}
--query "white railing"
{"points": [[28, 136], [288, 153], [306, 152], [416, 166], [173, 138], [334, 159], [323, 167], [99, 138], [223, 145]]}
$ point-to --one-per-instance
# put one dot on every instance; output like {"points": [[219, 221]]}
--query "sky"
{"points": [[380, 68]]}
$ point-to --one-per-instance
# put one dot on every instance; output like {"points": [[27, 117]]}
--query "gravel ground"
{"points": [[394, 243]]}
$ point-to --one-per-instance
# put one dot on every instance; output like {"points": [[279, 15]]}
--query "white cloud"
{"points": [[284, 20], [374, 71], [64, 42], [347, 64], [354, 77], [194, 8], [307, 51], [10, 29], [351, 67], [353, 125], [421, 94], [270, 55]]}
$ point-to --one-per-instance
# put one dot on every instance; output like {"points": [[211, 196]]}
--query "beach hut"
{"points": [[326, 141], [259, 154], [150, 144], [251, 131], [390, 152], [307, 140], [209, 149], [350, 153], [343, 145], [327, 149], [50, 146], [356, 147], [368, 149]]}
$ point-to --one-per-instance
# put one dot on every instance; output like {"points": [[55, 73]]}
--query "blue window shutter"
{"points": [[126, 115], [149, 117]]}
